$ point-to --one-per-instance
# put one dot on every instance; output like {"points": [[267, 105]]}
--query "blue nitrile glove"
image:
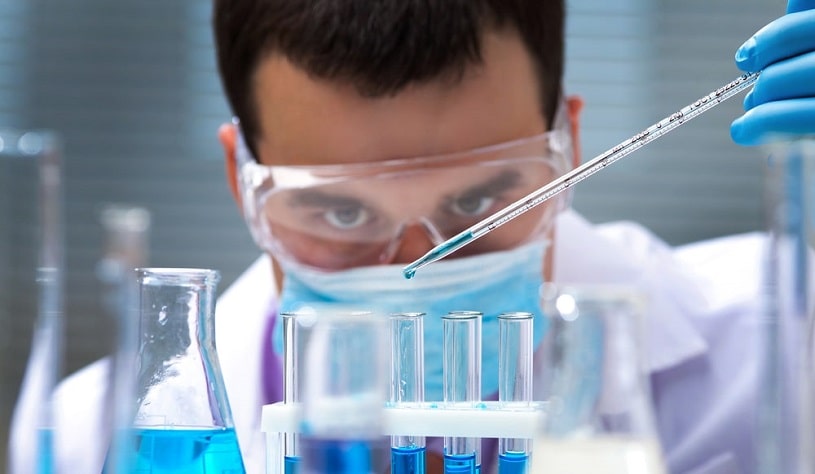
{"points": [[782, 102]]}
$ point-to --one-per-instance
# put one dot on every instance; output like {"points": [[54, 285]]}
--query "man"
{"points": [[369, 133]]}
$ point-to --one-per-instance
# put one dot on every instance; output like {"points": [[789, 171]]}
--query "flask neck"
{"points": [[179, 381]]}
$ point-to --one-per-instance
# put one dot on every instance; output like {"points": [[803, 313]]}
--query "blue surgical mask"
{"points": [[490, 283]]}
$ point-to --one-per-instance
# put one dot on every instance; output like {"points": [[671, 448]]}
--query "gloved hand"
{"points": [[782, 102]]}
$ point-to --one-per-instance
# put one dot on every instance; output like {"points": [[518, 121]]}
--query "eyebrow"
{"points": [[505, 180]]}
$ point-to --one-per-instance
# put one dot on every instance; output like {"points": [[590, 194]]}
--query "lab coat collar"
{"points": [[626, 253]]}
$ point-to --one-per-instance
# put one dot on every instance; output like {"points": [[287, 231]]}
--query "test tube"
{"points": [[291, 458], [514, 384], [343, 393], [407, 387], [461, 369]]}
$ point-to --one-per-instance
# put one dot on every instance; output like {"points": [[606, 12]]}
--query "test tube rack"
{"points": [[486, 419]]}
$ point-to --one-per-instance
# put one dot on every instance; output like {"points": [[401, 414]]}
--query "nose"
{"points": [[414, 241]]}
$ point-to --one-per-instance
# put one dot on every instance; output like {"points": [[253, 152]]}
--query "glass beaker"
{"points": [[344, 392], [183, 422], [599, 417]]}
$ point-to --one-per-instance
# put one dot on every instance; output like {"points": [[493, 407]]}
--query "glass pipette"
{"points": [[582, 172]]}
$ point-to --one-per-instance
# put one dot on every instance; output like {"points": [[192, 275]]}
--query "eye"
{"points": [[471, 204], [347, 217]]}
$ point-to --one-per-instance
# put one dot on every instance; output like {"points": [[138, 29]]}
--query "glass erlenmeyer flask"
{"points": [[183, 422], [599, 417]]}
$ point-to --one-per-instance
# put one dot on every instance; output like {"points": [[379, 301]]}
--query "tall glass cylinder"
{"points": [[461, 370], [183, 422], [344, 390], [515, 351], [599, 416], [126, 230], [31, 198], [786, 396], [407, 387]]}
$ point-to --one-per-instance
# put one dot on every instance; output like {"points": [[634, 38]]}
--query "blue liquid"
{"points": [[513, 462], [460, 464], [291, 465], [342, 456], [440, 251], [408, 460], [188, 451], [45, 451]]}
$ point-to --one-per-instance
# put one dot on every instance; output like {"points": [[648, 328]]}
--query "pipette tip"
{"points": [[434, 254], [438, 252], [410, 270]]}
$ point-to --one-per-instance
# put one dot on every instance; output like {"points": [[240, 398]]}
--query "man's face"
{"points": [[304, 121]]}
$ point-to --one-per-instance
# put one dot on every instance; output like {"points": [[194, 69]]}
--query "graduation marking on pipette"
{"points": [[582, 172]]}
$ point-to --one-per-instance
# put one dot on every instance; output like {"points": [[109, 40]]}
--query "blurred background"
{"points": [[132, 89]]}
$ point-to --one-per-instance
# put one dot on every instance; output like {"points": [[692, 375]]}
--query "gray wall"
{"points": [[131, 86], [635, 62]]}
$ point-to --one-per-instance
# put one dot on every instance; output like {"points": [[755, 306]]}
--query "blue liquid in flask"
{"points": [[513, 462], [408, 460], [188, 451]]}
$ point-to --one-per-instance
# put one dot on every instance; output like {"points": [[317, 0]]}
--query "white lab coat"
{"points": [[701, 328]]}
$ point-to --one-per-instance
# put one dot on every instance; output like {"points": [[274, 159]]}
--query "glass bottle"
{"points": [[183, 422]]}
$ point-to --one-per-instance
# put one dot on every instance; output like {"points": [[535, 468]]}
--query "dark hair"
{"points": [[379, 46]]}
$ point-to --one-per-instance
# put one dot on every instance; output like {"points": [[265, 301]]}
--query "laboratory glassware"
{"points": [[125, 230], [183, 422], [515, 351], [32, 187], [786, 396], [296, 329], [343, 393], [582, 172], [461, 370], [291, 458], [599, 418], [407, 387], [125, 234]]}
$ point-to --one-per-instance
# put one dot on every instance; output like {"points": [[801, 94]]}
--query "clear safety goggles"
{"points": [[335, 217]]}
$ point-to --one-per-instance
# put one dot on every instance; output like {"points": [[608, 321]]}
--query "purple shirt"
{"points": [[272, 366]]}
